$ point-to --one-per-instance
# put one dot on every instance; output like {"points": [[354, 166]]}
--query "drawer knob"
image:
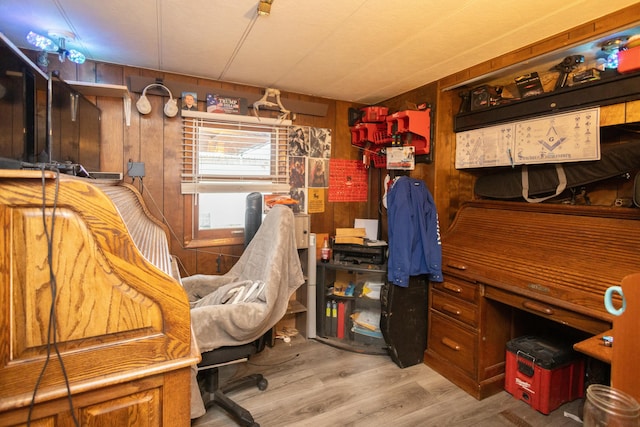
{"points": [[538, 307], [451, 344], [453, 288], [451, 309], [457, 266]]}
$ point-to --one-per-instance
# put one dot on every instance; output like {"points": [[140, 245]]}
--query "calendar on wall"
{"points": [[559, 138]]}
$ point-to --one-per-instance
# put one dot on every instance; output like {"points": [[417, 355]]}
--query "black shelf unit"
{"points": [[328, 325], [611, 90]]}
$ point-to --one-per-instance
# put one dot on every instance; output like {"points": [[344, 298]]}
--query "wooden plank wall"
{"points": [[451, 187], [156, 140]]}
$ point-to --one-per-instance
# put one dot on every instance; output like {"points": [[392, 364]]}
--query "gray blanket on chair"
{"points": [[241, 305]]}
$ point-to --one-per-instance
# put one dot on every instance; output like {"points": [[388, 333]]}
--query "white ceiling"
{"points": [[361, 51]]}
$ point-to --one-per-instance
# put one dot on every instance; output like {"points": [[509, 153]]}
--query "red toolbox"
{"points": [[369, 132], [543, 373], [374, 114], [629, 60]]}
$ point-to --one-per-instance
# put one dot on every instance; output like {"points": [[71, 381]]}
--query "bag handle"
{"points": [[562, 184]]}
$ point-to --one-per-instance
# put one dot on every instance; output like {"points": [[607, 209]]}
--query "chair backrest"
{"points": [[252, 216]]}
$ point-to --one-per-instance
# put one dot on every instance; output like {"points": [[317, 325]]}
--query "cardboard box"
{"points": [[350, 236], [542, 373]]}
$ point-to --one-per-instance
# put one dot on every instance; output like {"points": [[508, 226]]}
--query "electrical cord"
{"points": [[164, 219], [52, 328]]}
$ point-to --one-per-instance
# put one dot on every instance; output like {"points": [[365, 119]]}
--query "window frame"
{"points": [[193, 183]]}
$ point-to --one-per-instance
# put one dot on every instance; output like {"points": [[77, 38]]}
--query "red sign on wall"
{"points": [[348, 181]]}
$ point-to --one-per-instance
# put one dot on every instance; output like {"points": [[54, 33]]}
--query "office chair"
{"points": [[231, 313], [214, 393]]}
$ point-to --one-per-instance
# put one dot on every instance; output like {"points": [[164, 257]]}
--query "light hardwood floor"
{"points": [[313, 384]]}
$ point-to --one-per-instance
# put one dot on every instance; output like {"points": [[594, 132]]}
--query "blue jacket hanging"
{"points": [[414, 234]]}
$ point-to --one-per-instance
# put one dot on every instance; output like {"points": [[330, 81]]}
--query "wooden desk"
{"points": [[594, 347], [123, 324]]}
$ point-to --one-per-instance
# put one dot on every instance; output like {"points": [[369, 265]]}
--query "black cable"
{"points": [[175, 236], [52, 328]]}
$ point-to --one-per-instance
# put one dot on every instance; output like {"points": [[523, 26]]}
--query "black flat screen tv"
{"points": [[43, 120], [23, 99]]}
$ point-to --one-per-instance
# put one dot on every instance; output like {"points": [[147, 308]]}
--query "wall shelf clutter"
{"points": [[613, 90], [408, 127], [138, 83]]}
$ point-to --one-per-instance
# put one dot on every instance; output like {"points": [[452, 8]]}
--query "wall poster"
{"points": [[348, 181], [558, 138], [309, 150]]}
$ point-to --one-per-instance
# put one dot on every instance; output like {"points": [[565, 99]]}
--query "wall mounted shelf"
{"points": [[137, 84], [103, 89], [613, 90]]}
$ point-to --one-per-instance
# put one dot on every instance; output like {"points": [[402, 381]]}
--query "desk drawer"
{"points": [[452, 342], [548, 311], [455, 308], [458, 288]]}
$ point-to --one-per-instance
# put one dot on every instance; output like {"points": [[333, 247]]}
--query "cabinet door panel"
{"points": [[144, 407]]}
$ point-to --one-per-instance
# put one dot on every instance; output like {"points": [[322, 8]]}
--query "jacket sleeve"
{"points": [[399, 229], [432, 246]]}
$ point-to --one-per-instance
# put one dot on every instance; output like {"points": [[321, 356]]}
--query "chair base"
{"points": [[217, 395]]}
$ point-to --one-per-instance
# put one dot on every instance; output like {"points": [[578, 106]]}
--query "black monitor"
{"points": [[23, 98], [44, 120]]}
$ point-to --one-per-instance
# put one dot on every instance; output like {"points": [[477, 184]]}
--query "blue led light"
{"points": [[612, 60], [46, 44], [75, 56], [41, 42]]}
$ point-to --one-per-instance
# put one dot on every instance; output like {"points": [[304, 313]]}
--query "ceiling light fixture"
{"points": [[47, 44], [264, 7], [611, 48]]}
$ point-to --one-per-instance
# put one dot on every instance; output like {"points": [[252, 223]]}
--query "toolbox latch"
{"points": [[526, 363]]}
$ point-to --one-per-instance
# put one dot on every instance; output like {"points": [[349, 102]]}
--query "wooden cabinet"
{"points": [[624, 366], [466, 336], [122, 324], [147, 402]]}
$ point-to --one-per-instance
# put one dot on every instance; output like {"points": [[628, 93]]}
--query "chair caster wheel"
{"points": [[262, 384]]}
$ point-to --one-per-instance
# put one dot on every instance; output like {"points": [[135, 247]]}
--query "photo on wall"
{"points": [[318, 173], [297, 172], [190, 101], [320, 143], [299, 195], [299, 141]]}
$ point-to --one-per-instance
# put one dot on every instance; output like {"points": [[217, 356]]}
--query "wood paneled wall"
{"points": [[156, 140], [451, 187]]}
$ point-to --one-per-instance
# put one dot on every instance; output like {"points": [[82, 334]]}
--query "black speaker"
{"points": [[252, 216], [404, 320]]}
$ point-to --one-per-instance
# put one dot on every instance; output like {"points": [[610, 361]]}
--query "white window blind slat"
{"points": [[229, 156]]}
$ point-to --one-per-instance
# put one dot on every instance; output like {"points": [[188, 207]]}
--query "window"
{"points": [[223, 162]]}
